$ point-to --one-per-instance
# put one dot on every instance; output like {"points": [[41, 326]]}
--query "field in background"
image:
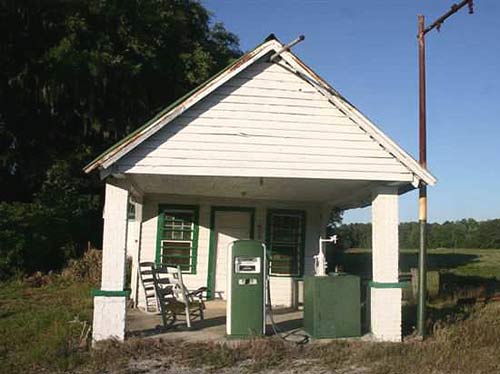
{"points": [[467, 262], [484, 263]]}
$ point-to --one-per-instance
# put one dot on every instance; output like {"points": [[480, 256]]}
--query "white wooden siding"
{"points": [[285, 291], [265, 122]]}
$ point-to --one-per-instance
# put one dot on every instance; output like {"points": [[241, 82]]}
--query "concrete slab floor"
{"points": [[212, 328]]}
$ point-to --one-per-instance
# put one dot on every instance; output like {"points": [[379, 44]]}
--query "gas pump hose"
{"points": [[292, 336]]}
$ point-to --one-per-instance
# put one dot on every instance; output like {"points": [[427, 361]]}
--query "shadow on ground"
{"points": [[178, 326], [361, 263], [289, 325]]}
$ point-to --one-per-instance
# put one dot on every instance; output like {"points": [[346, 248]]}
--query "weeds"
{"points": [[211, 355], [87, 268], [35, 329], [466, 344], [45, 319]]}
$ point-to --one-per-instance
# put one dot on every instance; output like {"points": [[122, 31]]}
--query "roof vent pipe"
{"points": [[287, 47]]}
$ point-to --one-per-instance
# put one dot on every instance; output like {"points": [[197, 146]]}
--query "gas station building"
{"points": [[264, 150]]}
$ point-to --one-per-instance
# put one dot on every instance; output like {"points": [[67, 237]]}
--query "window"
{"points": [[285, 242], [178, 236]]}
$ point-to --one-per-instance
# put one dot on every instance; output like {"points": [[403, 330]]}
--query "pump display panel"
{"points": [[247, 265]]}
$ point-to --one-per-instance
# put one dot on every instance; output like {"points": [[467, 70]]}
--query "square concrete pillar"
{"points": [[134, 233], [110, 301], [385, 295]]}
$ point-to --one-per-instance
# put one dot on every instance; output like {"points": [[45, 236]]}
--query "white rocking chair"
{"points": [[174, 298]]}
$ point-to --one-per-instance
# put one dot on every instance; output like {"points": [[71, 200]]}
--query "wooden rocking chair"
{"points": [[146, 278], [174, 298]]}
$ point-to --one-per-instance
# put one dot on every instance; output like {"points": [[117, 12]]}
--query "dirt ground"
{"points": [[301, 366]]}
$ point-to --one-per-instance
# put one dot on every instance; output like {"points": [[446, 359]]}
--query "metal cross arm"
{"points": [[454, 8]]}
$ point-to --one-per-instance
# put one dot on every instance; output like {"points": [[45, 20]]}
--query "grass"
{"points": [[484, 263], [35, 328], [37, 335]]}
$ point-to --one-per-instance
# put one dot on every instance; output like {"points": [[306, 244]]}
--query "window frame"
{"points": [[302, 242], [162, 208]]}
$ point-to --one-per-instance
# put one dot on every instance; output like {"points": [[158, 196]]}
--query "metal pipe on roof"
{"points": [[287, 47]]}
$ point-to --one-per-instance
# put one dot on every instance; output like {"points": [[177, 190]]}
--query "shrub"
{"points": [[43, 235], [87, 268]]}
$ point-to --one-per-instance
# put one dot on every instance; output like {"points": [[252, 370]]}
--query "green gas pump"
{"points": [[246, 282]]}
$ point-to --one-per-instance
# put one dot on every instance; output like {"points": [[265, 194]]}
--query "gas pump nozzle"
{"points": [[320, 263]]}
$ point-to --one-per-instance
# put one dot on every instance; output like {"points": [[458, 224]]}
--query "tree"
{"points": [[334, 220], [76, 76], [466, 233]]}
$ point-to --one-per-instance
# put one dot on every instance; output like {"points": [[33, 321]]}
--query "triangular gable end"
{"points": [[266, 119]]}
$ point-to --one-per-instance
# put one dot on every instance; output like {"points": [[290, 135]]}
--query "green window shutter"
{"points": [[177, 236], [285, 236]]}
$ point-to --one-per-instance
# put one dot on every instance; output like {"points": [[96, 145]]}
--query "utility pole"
{"points": [[422, 196]]}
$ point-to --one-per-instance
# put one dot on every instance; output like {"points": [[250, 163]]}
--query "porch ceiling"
{"points": [[344, 194]]}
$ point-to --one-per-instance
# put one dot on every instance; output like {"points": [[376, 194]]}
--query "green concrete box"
{"points": [[332, 306]]}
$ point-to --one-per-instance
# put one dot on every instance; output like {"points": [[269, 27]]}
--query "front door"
{"points": [[229, 225]]}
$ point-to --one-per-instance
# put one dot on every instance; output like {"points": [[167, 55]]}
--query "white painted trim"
{"points": [[271, 173]]}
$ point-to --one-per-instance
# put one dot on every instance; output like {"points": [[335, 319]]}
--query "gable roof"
{"points": [[297, 67]]}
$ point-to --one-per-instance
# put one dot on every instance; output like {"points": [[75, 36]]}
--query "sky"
{"points": [[367, 50]]}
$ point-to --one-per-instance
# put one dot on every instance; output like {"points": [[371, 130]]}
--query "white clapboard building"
{"points": [[262, 150]]}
